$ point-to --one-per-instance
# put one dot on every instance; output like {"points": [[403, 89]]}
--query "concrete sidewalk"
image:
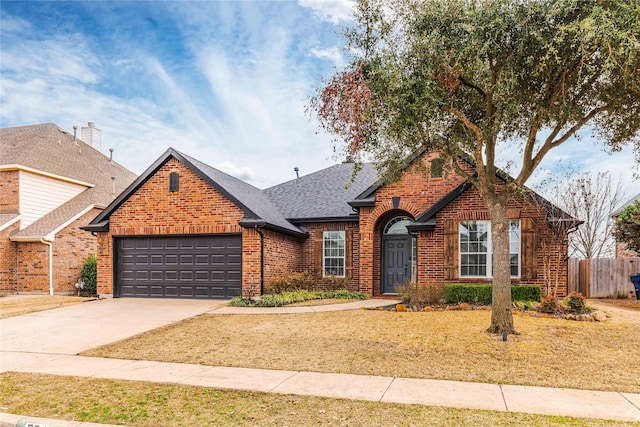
{"points": [[512, 398]]}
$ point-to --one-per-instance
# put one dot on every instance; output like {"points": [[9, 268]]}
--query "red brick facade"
{"points": [[198, 208], [9, 191]]}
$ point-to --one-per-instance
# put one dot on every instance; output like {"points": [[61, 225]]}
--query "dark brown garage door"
{"points": [[179, 267]]}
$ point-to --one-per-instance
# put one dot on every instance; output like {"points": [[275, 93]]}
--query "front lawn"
{"points": [[440, 345], [143, 404], [16, 305]]}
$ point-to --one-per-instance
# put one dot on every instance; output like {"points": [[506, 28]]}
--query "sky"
{"points": [[226, 82]]}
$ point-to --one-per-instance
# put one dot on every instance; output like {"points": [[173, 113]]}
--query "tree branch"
{"points": [[473, 86], [550, 143]]}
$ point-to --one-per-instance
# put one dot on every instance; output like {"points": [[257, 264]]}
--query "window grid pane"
{"points": [[474, 248], [333, 253]]}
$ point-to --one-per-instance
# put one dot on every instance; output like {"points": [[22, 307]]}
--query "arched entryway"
{"points": [[398, 254]]}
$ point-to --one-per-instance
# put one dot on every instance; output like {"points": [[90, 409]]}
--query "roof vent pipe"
{"points": [[296, 169], [75, 131], [111, 155]]}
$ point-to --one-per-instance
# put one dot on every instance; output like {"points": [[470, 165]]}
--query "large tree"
{"points": [[480, 77]]}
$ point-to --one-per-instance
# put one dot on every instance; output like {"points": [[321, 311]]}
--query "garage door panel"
{"points": [[179, 267]]}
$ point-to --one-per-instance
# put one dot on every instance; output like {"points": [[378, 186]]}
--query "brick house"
{"points": [[51, 183], [185, 229]]}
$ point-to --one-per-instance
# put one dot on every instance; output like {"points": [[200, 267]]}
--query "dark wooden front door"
{"points": [[396, 262]]}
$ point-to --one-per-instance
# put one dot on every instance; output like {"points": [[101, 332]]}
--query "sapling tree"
{"points": [[472, 77]]}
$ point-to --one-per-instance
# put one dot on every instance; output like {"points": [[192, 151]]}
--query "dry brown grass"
{"points": [[151, 404], [632, 304], [440, 345], [16, 305]]}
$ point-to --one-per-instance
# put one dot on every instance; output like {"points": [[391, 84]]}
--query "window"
{"points": [[436, 168], [476, 248], [174, 182], [333, 248]]}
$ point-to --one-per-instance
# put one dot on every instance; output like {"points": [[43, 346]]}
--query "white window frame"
{"points": [[339, 253], [489, 252]]}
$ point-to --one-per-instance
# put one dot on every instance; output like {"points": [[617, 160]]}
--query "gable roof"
{"points": [[322, 195], [47, 149], [258, 209]]}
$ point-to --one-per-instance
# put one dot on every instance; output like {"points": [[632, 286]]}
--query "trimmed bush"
{"points": [[290, 282], [89, 274], [458, 293]]}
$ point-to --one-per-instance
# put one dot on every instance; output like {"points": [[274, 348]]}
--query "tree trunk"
{"points": [[501, 315]]}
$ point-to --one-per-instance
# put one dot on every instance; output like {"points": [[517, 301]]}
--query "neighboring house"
{"points": [[621, 247], [185, 229], [51, 183]]}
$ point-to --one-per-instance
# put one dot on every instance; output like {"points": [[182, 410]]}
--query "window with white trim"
{"points": [[333, 253], [476, 248]]}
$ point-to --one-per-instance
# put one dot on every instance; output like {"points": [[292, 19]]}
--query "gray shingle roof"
{"points": [[253, 199], [46, 147], [322, 194]]}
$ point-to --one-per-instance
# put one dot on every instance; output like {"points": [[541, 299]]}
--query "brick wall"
{"points": [[197, 208], [282, 255], [70, 249], [32, 267], [312, 250], [9, 191], [8, 258]]}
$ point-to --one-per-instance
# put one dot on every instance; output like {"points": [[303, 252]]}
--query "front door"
{"points": [[396, 265]]}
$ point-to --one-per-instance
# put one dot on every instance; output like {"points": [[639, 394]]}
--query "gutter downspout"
{"points": [[261, 259], [50, 264]]}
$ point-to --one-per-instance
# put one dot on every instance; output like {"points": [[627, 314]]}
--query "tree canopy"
{"points": [[628, 226], [478, 77]]}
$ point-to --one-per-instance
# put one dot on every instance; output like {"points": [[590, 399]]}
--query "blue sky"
{"points": [[226, 82]]}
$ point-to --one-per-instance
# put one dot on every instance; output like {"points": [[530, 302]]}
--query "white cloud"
{"points": [[332, 54], [334, 11], [244, 173]]}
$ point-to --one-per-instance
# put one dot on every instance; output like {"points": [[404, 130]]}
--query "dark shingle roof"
{"points": [[322, 194], [251, 198]]}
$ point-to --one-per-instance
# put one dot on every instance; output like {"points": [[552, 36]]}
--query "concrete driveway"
{"points": [[73, 329]]}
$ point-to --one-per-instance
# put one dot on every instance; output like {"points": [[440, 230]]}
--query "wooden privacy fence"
{"points": [[602, 277]]}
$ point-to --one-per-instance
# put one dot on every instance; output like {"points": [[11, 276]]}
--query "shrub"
{"points": [[89, 274], [526, 293], [333, 283], [344, 294], [458, 293], [240, 302], [417, 295], [577, 303], [468, 293], [290, 282], [550, 305], [284, 298]]}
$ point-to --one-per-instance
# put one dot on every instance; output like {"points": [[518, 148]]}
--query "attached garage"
{"points": [[207, 266]]}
